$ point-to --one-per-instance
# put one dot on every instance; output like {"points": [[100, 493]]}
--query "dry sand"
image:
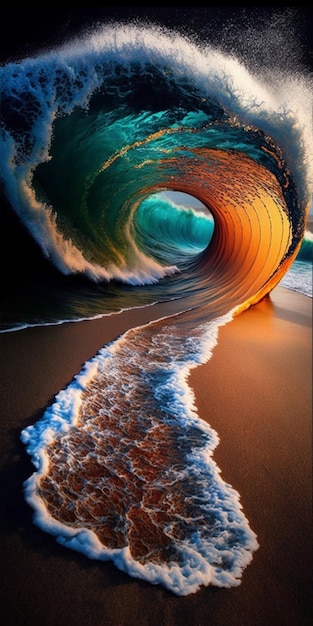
{"points": [[256, 391]]}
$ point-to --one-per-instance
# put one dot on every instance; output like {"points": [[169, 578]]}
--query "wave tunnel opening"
{"points": [[173, 227]]}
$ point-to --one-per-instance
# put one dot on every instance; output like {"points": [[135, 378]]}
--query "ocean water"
{"points": [[299, 276], [97, 138]]}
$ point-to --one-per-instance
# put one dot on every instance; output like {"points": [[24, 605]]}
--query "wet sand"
{"points": [[256, 391]]}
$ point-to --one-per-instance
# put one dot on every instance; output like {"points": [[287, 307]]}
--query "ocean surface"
{"points": [[137, 167]]}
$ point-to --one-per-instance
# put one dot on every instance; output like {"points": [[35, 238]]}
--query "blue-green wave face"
{"points": [[171, 232], [100, 182]]}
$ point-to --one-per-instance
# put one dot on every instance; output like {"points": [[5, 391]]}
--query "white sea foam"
{"points": [[201, 556]]}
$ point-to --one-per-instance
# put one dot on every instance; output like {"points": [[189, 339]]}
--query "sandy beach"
{"points": [[256, 392]]}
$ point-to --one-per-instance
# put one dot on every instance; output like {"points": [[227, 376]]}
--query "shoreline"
{"points": [[262, 411], [255, 392]]}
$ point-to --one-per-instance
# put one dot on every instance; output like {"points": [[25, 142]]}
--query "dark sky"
{"points": [[28, 30]]}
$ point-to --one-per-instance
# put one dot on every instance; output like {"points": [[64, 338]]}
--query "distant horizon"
{"points": [[185, 199]]}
